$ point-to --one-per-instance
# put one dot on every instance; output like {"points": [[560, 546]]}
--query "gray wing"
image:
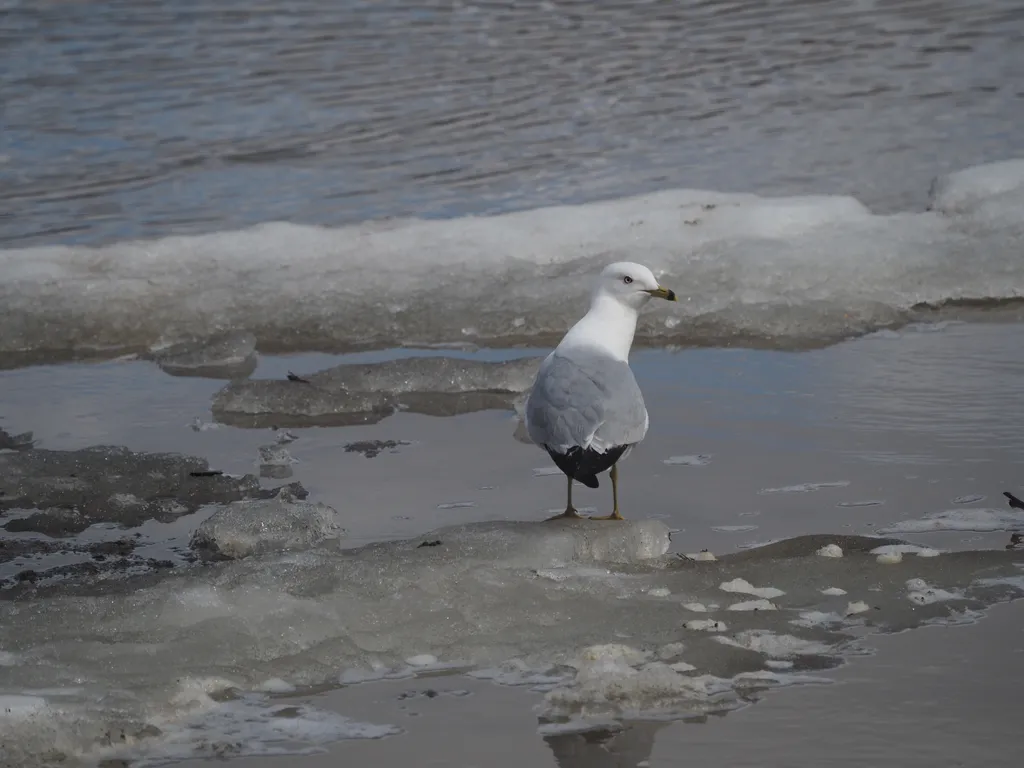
{"points": [[586, 399]]}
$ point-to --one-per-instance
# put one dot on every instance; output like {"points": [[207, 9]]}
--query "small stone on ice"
{"points": [[706, 625], [422, 660], [858, 606], [830, 550], [833, 591]]}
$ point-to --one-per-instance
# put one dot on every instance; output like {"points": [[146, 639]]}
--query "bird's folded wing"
{"points": [[585, 400]]}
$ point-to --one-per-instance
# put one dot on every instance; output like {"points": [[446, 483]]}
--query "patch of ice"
{"points": [[778, 664], [276, 685], [816, 619], [776, 646], [1017, 582], [702, 556], [670, 651], [830, 550], [969, 499], [609, 682], [855, 607], [753, 605], [659, 592], [754, 270], [696, 607], [977, 519], [546, 471], [705, 625], [744, 587], [17, 707], [920, 592], [516, 672], [890, 558], [8, 659], [806, 487], [682, 666], [258, 526], [833, 591], [696, 460], [864, 503], [247, 727], [905, 549], [457, 505], [422, 660], [733, 528]]}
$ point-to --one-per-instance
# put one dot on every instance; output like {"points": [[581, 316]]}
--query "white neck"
{"points": [[609, 325]]}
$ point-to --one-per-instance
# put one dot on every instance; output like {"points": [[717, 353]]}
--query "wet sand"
{"points": [[745, 447]]}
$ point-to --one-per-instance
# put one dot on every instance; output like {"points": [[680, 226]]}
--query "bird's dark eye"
{"points": [[627, 279]]}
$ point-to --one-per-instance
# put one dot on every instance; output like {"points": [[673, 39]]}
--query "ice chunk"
{"points": [[833, 591], [67, 491], [771, 644], [965, 191], [743, 586], [659, 592], [969, 498], [698, 460], [610, 684], [754, 605], [254, 527], [9, 442], [806, 487], [275, 461], [671, 651], [784, 271], [857, 606], [15, 707], [912, 549], [702, 556], [920, 592], [367, 392], [890, 558], [276, 685], [228, 356], [830, 550], [733, 528], [969, 519], [696, 607], [706, 625], [422, 660]]}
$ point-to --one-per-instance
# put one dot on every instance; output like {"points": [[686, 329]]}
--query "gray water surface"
{"points": [[120, 119]]}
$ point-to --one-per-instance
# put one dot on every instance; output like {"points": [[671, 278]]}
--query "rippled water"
{"points": [[127, 119]]}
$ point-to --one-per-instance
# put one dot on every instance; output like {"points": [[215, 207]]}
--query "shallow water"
{"points": [[745, 447], [124, 120]]}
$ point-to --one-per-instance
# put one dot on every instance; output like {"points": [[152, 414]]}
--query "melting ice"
{"points": [[778, 271]]}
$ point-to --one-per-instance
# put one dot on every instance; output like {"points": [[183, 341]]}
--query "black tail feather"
{"points": [[1014, 501], [584, 465]]}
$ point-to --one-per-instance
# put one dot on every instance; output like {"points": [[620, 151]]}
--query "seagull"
{"points": [[585, 408]]}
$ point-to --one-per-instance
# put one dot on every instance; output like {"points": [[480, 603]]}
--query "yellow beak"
{"points": [[663, 293]]}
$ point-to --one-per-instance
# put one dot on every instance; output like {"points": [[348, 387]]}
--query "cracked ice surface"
{"points": [[482, 601]]}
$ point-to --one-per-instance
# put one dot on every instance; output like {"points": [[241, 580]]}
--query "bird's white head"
{"points": [[630, 284]]}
